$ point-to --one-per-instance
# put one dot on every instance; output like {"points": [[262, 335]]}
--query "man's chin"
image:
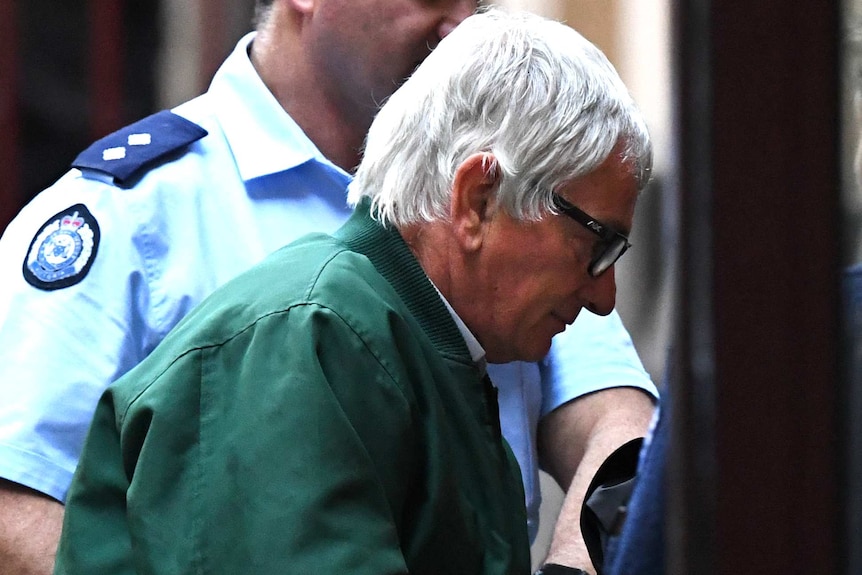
{"points": [[529, 353]]}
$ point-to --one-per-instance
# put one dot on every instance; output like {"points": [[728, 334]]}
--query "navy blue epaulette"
{"points": [[127, 153]]}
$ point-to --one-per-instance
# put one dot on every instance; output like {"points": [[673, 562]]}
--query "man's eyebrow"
{"points": [[612, 223]]}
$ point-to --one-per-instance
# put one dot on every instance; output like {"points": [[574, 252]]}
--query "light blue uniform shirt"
{"points": [[254, 183]]}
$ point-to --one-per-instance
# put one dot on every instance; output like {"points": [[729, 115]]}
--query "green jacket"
{"points": [[319, 414]]}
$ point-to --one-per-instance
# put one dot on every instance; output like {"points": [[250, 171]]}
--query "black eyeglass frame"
{"points": [[613, 243]]}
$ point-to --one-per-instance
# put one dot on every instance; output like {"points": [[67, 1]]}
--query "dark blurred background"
{"points": [[72, 71]]}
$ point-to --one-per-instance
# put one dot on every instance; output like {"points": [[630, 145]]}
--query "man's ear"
{"points": [[302, 6], [473, 198]]}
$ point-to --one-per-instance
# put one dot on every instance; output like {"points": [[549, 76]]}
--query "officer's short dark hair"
{"points": [[261, 10]]}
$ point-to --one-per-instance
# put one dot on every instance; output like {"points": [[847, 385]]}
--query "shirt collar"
{"points": [[263, 138]]}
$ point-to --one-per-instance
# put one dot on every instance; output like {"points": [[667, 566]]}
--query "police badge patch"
{"points": [[63, 250]]}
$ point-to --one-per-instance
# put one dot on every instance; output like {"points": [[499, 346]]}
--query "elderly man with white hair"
{"points": [[329, 410]]}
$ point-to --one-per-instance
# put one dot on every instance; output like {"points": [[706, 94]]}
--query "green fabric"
{"points": [[319, 414]]}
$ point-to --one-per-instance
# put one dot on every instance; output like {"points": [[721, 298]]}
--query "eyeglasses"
{"points": [[612, 244]]}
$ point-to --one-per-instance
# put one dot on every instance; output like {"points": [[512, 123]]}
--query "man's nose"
{"points": [[455, 14], [600, 292]]}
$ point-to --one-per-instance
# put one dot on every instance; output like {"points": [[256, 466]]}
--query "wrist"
{"points": [[555, 569]]}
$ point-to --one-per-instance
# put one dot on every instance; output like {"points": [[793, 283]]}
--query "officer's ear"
{"points": [[473, 204]]}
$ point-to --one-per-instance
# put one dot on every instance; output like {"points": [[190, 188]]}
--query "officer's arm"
{"points": [[30, 525], [574, 440]]}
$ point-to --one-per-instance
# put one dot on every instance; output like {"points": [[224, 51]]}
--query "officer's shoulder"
{"points": [[130, 152]]}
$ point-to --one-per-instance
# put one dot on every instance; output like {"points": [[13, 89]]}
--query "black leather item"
{"points": [[554, 569], [606, 500]]}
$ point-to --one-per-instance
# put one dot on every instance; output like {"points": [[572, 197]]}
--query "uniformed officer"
{"points": [[100, 266]]}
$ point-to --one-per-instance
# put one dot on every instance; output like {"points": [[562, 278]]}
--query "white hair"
{"points": [[533, 92]]}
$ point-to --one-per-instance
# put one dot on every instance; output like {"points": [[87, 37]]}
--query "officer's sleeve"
{"points": [[594, 353], [287, 449], [70, 282]]}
